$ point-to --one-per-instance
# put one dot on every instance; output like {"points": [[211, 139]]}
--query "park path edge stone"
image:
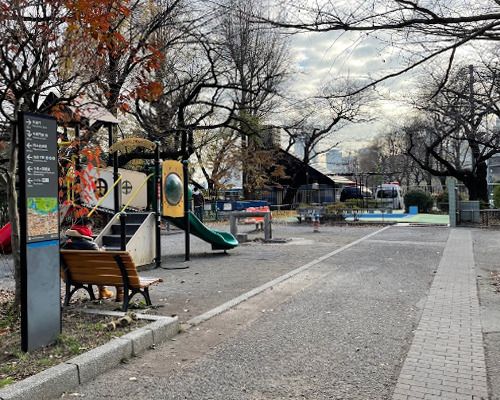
{"points": [[66, 376]]}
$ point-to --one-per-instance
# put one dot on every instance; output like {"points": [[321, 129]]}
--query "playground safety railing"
{"points": [[136, 192], [132, 197], [105, 195]]}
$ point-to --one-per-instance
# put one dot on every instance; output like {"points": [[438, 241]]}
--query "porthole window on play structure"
{"points": [[173, 189]]}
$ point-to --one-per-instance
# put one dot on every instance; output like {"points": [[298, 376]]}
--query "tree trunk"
{"points": [[289, 195], [247, 191], [13, 211], [428, 180], [477, 185]]}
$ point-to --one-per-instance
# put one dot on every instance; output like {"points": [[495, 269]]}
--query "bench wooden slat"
{"points": [[104, 280], [96, 258], [93, 252], [101, 268], [99, 280], [82, 272]]}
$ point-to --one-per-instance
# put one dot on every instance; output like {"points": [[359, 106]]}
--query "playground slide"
{"points": [[5, 233], [220, 240]]}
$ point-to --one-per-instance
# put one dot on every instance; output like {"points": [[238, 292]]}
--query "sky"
{"points": [[321, 57]]}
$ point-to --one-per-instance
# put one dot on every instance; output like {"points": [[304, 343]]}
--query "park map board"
{"points": [[39, 215]]}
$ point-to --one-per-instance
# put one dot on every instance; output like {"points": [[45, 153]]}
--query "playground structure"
{"points": [[134, 230], [5, 234], [175, 210]]}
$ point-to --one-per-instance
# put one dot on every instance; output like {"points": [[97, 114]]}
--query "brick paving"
{"points": [[446, 358]]}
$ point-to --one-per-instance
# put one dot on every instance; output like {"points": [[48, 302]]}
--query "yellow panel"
{"points": [[172, 204]]}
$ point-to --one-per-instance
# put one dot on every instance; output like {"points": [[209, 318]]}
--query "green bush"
{"points": [[420, 199], [353, 203], [335, 208], [496, 196], [374, 203], [442, 201]]}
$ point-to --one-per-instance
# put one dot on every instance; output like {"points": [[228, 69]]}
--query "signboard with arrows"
{"points": [[41, 173], [39, 231]]}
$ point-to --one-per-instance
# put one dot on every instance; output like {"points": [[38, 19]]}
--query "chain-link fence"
{"points": [[282, 199]]}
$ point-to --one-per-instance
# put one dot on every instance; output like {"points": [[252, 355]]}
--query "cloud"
{"points": [[322, 58]]}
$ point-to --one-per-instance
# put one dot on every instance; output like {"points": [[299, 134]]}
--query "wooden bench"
{"points": [[83, 268]]}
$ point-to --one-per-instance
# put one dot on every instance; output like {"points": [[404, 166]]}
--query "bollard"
{"points": [[316, 223]]}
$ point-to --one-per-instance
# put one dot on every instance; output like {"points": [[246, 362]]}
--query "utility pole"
{"points": [[472, 110]]}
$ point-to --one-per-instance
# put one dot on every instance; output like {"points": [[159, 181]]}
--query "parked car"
{"points": [[390, 195], [355, 192]]}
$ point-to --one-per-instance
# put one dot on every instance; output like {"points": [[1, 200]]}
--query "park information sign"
{"points": [[39, 216]]}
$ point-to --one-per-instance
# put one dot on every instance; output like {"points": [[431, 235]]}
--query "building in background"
{"points": [[493, 176], [338, 162], [493, 163]]}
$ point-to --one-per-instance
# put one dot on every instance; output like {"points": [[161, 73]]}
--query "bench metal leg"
{"points": [[126, 300], [145, 293], [90, 289], [127, 297], [70, 292], [67, 295]]}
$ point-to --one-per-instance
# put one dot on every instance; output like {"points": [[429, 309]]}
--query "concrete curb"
{"points": [[66, 376]]}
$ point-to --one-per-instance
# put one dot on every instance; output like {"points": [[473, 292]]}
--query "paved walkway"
{"points": [[446, 358], [339, 330]]}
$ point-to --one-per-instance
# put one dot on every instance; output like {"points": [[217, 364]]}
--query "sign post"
{"points": [[39, 231]]}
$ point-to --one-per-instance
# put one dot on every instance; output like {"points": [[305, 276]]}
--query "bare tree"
{"points": [[257, 59], [319, 118], [194, 95], [317, 121], [127, 70], [35, 50], [436, 27], [257, 55], [219, 157], [454, 135], [385, 159]]}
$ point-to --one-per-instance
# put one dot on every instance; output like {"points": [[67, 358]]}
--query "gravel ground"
{"points": [[214, 277], [339, 331], [487, 258]]}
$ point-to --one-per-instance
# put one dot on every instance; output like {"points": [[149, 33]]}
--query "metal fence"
{"points": [[321, 196], [490, 218]]}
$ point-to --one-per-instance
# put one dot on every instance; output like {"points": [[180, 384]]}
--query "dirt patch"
{"points": [[80, 332]]}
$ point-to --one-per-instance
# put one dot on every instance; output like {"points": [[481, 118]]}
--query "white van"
{"points": [[390, 195]]}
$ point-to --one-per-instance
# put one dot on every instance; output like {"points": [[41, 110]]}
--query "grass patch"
{"points": [[6, 381]]}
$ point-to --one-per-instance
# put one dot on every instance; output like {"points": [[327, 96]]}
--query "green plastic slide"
{"points": [[220, 240]]}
